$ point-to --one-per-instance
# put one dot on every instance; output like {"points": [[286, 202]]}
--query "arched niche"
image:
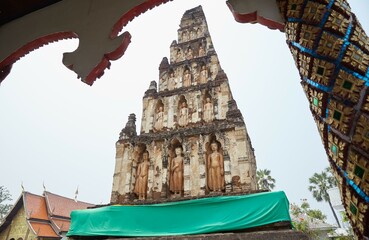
{"points": [[187, 76], [208, 107], [183, 111], [204, 73], [179, 55], [189, 52], [176, 168], [142, 172], [159, 116], [214, 164], [172, 79]]}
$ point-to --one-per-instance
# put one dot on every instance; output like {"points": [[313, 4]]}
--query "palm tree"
{"points": [[265, 181], [319, 184]]}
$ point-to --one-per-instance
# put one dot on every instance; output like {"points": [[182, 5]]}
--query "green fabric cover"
{"points": [[204, 215]]}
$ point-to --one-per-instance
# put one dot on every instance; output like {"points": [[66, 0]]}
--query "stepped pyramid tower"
{"points": [[193, 140]]}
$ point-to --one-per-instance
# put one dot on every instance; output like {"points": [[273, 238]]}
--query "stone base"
{"points": [[261, 235], [131, 199], [275, 231]]}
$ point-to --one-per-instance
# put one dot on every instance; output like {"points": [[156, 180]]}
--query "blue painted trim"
{"points": [[355, 74], [322, 23], [318, 86], [354, 186], [299, 20], [311, 52], [342, 52], [338, 67], [326, 14], [304, 49], [344, 46], [327, 111]]}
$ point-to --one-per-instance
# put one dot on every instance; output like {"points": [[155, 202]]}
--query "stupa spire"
{"points": [[193, 140]]}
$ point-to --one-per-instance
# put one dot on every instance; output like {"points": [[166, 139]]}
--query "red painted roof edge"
{"points": [[46, 223], [46, 193], [253, 17], [29, 47], [98, 71]]}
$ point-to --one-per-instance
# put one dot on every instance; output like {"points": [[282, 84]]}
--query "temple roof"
{"points": [[42, 229], [62, 206], [62, 224], [47, 215], [35, 206]]}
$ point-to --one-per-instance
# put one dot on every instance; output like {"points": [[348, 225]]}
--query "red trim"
{"points": [[5, 65], [5, 71], [98, 71], [25, 49], [135, 12], [253, 17], [270, 23]]}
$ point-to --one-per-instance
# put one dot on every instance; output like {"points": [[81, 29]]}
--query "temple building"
{"points": [[43, 217], [192, 169], [330, 49], [193, 140]]}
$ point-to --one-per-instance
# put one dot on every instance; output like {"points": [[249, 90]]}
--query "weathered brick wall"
{"points": [[18, 228]]}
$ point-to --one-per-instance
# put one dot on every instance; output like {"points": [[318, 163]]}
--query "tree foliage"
{"points": [[304, 209], [302, 215], [264, 180], [319, 184], [317, 214], [4, 197]]}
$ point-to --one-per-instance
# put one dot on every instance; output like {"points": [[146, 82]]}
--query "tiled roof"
{"points": [[35, 206], [62, 224], [62, 206], [43, 229], [47, 215]]}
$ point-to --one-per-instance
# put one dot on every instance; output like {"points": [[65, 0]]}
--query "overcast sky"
{"points": [[56, 130]]}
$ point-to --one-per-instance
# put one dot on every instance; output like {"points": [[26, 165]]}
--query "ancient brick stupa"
{"points": [[192, 168], [193, 140]]}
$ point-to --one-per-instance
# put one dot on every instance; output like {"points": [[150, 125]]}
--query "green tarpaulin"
{"points": [[205, 215]]}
